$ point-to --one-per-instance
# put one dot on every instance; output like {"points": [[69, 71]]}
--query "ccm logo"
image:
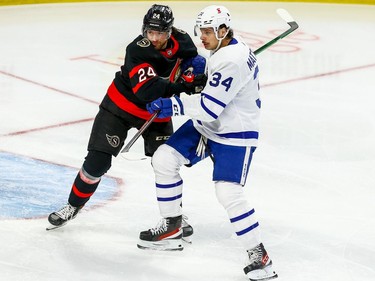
{"points": [[159, 138]]}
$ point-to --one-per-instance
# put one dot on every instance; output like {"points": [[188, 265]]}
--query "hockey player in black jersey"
{"points": [[152, 67]]}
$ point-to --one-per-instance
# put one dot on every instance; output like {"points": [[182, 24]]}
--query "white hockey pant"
{"points": [[231, 196], [166, 163]]}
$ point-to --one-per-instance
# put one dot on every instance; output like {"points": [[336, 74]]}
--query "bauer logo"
{"points": [[33, 188]]}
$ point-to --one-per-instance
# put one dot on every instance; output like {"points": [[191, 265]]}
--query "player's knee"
{"points": [[166, 160], [229, 193], [97, 163]]}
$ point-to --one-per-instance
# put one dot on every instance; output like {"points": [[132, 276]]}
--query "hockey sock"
{"points": [[83, 188], [166, 163], [169, 198], [241, 215]]}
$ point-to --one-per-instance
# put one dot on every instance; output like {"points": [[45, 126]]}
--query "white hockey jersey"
{"points": [[228, 109]]}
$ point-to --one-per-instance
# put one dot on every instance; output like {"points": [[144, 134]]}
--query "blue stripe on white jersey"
{"points": [[212, 99], [256, 72], [240, 135], [218, 102]]}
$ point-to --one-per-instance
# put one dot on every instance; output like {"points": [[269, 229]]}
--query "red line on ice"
{"points": [[318, 75], [46, 86], [90, 119], [47, 127]]}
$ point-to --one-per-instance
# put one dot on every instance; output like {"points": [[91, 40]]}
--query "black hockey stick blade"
{"points": [[291, 22]]}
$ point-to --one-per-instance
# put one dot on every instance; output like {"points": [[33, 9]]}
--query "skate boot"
{"points": [[187, 230], [166, 236], [260, 266], [61, 217]]}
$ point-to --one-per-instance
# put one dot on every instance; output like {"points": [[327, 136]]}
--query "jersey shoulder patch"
{"points": [[144, 43]]}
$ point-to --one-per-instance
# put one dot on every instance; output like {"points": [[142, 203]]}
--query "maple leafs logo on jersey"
{"points": [[114, 141], [144, 43]]}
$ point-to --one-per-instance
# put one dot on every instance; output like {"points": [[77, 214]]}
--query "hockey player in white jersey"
{"points": [[224, 126]]}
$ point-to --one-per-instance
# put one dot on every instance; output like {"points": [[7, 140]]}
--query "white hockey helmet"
{"points": [[213, 16]]}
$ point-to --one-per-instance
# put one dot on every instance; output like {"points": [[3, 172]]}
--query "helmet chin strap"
{"points": [[220, 40]]}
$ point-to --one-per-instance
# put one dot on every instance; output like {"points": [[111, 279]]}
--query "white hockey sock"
{"points": [[166, 163], [241, 215]]}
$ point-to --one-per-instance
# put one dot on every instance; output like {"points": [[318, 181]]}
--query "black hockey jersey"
{"points": [[147, 74]]}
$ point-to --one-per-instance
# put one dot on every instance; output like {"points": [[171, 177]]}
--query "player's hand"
{"points": [[192, 84], [198, 63], [166, 107]]}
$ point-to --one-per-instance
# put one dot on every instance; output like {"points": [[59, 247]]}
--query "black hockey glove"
{"points": [[189, 83]]}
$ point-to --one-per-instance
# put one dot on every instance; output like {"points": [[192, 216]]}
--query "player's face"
{"points": [[208, 38], [158, 38]]}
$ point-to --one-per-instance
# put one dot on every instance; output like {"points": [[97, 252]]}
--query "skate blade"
{"points": [[187, 240], [264, 278], [52, 227], [263, 274], [163, 245]]}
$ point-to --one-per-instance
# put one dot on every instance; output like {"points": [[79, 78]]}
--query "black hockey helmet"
{"points": [[158, 17]]}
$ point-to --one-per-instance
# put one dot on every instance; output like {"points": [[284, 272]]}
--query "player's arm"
{"points": [[220, 89], [147, 85]]}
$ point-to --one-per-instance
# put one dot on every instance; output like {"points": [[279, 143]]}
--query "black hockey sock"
{"points": [[81, 191]]}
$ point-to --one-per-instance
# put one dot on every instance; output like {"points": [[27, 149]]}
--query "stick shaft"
{"points": [[140, 132], [293, 26]]}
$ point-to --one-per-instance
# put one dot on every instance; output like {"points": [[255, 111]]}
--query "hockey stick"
{"points": [[293, 26], [282, 13], [140, 132]]}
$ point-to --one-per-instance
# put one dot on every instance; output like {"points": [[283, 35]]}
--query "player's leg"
{"points": [[107, 136], [229, 181], [156, 135], [167, 235], [166, 163]]}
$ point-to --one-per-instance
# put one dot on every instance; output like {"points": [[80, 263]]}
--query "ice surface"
{"points": [[312, 177]]}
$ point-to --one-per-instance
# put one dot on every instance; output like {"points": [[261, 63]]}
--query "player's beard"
{"points": [[159, 45]]}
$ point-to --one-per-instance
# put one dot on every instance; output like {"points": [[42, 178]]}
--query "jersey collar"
{"points": [[170, 52]]}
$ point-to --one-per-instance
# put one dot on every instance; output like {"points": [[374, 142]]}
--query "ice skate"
{"points": [[187, 230], [61, 217], [166, 236], [260, 266]]}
